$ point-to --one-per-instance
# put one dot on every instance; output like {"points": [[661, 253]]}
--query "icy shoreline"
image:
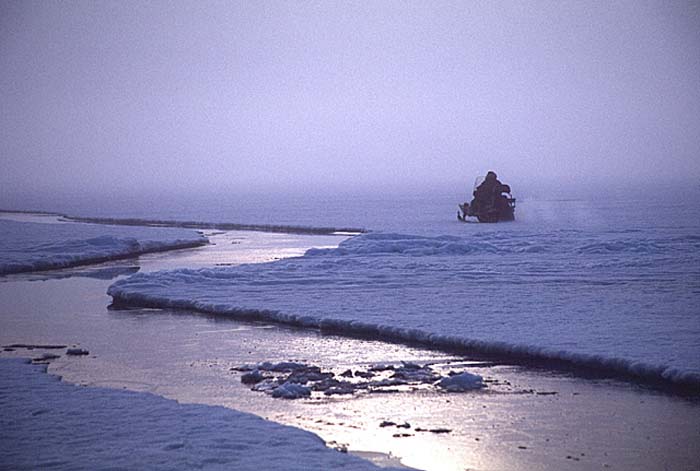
{"points": [[28, 246], [17, 268], [517, 354], [200, 225], [44, 417], [572, 308]]}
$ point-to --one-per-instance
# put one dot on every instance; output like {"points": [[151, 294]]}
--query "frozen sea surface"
{"points": [[50, 424], [558, 299], [610, 281], [29, 246], [187, 357], [605, 285]]}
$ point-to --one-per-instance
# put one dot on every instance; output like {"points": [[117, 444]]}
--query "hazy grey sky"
{"points": [[119, 94]]}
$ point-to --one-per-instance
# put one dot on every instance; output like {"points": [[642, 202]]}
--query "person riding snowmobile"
{"points": [[485, 195], [491, 203]]}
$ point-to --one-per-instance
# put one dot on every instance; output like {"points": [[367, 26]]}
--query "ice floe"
{"points": [[461, 382], [30, 246]]}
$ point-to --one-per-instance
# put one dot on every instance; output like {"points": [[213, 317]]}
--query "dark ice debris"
{"points": [[416, 373], [440, 430], [435, 430], [267, 385], [291, 391], [77, 351], [381, 367], [384, 390], [308, 374], [31, 346], [268, 377], [341, 389], [46, 357], [341, 447], [284, 366], [364, 374], [332, 386], [252, 377], [388, 382], [326, 384]]}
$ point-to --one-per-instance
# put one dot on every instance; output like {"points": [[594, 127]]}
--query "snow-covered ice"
{"points": [[462, 382], [291, 391], [304, 380], [620, 297], [46, 423], [30, 246], [612, 300]]}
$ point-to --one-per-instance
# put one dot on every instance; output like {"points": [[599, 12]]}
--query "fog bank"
{"points": [[304, 96]]}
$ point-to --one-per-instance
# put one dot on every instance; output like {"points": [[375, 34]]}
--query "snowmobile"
{"points": [[498, 206]]}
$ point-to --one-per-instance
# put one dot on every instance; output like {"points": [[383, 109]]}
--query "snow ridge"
{"points": [[555, 242]]}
